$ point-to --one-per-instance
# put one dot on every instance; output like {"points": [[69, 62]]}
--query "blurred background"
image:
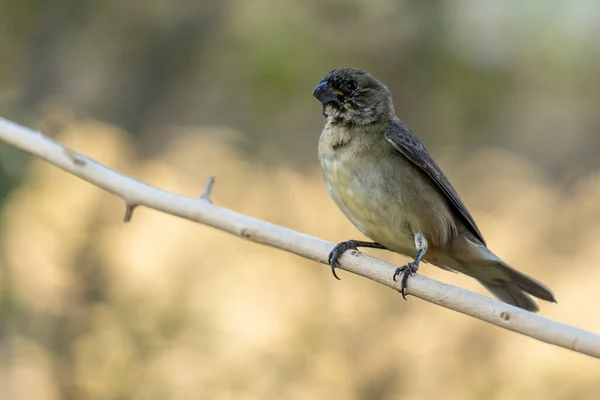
{"points": [[504, 94]]}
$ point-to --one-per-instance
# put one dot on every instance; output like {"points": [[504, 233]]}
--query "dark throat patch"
{"points": [[341, 143]]}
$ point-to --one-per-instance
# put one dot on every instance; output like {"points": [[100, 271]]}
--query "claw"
{"points": [[334, 273], [333, 257], [406, 270], [413, 266], [337, 252], [342, 247]]}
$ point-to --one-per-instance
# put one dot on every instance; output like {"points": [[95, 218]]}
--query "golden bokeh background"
{"points": [[174, 92], [164, 308]]}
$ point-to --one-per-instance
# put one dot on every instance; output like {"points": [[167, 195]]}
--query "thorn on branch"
{"points": [[208, 189], [129, 211], [76, 158]]}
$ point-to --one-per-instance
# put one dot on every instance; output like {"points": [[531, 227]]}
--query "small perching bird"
{"points": [[383, 179]]}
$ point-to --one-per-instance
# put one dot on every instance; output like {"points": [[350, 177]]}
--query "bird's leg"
{"points": [[340, 248], [413, 266]]}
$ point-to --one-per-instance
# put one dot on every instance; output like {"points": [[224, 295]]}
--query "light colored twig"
{"points": [[136, 193], [208, 189]]}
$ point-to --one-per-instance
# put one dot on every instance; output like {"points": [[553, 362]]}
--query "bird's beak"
{"points": [[326, 94]]}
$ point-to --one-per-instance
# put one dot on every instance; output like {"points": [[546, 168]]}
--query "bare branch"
{"points": [[208, 189], [77, 160], [204, 212]]}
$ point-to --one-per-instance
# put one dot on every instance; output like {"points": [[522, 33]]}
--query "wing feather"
{"points": [[408, 145]]}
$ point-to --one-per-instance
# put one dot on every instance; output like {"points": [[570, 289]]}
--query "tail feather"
{"points": [[511, 294], [530, 285], [509, 285], [504, 282]]}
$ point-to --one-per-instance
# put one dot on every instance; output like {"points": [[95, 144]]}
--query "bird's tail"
{"points": [[513, 293], [504, 282]]}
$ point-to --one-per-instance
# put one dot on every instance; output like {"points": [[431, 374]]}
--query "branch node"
{"points": [[208, 189], [129, 211], [246, 233], [76, 158]]}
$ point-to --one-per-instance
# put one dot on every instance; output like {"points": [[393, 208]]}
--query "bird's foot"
{"points": [[342, 247], [406, 271]]}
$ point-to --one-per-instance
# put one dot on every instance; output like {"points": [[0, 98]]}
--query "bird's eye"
{"points": [[351, 85]]}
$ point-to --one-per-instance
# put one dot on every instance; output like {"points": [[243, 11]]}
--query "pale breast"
{"points": [[363, 186]]}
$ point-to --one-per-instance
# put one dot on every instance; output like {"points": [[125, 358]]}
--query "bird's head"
{"points": [[352, 97]]}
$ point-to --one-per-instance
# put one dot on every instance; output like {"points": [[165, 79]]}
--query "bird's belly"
{"points": [[377, 209]]}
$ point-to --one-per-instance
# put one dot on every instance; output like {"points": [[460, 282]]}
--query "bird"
{"points": [[381, 176]]}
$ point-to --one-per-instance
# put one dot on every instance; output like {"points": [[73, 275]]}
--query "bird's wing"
{"points": [[409, 145]]}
